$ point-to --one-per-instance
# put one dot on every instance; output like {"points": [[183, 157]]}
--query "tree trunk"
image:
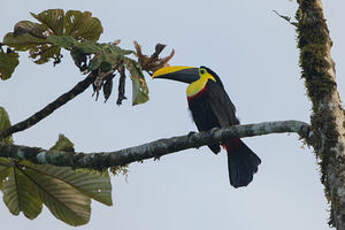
{"points": [[327, 119]]}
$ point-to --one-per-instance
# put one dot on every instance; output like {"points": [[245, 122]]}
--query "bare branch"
{"points": [[50, 108], [154, 149]]}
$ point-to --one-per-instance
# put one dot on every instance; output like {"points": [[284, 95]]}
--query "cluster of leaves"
{"points": [[78, 33], [66, 192]]}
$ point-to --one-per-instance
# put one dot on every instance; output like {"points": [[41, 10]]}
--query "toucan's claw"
{"points": [[190, 134]]}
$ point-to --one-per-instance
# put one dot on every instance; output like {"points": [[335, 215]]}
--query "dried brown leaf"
{"points": [[152, 63]]}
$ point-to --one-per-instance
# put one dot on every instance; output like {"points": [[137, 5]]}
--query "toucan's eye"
{"points": [[202, 71]]}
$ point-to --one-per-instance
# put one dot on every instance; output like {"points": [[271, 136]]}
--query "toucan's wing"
{"points": [[221, 104], [203, 116], [242, 161]]}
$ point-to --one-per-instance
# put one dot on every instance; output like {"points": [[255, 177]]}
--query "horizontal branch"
{"points": [[50, 108], [154, 149]]}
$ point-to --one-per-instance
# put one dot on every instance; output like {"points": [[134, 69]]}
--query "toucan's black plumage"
{"points": [[211, 107]]}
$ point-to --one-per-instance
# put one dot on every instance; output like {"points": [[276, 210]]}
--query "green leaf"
{"points": [[35, 29], [81, 26], [39, 48], [94, 184], [63, 144], [108, 55], [4, 170], [39, 38], [5, 123], [70, 43], [91, 183], [87, 47], [140, 92], [8, 62], [21, 194], [64, 41], [45, 53], [66, 192], [53, 19], [63, 200], [23, 42]]}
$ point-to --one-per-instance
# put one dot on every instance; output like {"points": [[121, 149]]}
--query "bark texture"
{"points": [[154, 149], [327, 119]]}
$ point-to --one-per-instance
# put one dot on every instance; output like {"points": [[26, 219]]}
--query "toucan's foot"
{"points": [[192, 137], [190, 134], [213, 130]]}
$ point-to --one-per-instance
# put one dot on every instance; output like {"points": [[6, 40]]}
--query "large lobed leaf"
{"points": [[20, 193], [82, 26], [66, 192], [53, 19], [32, 36], [77, 32], [61, 197]]}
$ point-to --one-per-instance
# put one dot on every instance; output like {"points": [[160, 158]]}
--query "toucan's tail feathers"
{"points": [[242, 162]]}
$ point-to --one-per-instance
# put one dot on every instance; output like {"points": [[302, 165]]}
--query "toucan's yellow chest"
{"points": [[199, 85]]}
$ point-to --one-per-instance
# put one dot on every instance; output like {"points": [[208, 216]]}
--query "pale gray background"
{"points": [[254, 52]]}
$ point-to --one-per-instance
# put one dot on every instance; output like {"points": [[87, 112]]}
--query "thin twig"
{"points": [[286, 18]]}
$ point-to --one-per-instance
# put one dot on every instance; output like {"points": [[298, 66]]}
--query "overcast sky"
{"points": [[255, 54]]}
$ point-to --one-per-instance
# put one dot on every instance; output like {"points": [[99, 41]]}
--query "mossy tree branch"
{"points": [[327, 119], [154, 149]]}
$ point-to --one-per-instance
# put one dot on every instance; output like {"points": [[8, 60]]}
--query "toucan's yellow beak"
{"points": [[185, 74], [169, 69]]}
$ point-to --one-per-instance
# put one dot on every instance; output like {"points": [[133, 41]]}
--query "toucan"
{"points": [[211, 107]]}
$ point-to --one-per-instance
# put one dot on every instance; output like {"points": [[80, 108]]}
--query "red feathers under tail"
{"points": [[242, 163]]}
